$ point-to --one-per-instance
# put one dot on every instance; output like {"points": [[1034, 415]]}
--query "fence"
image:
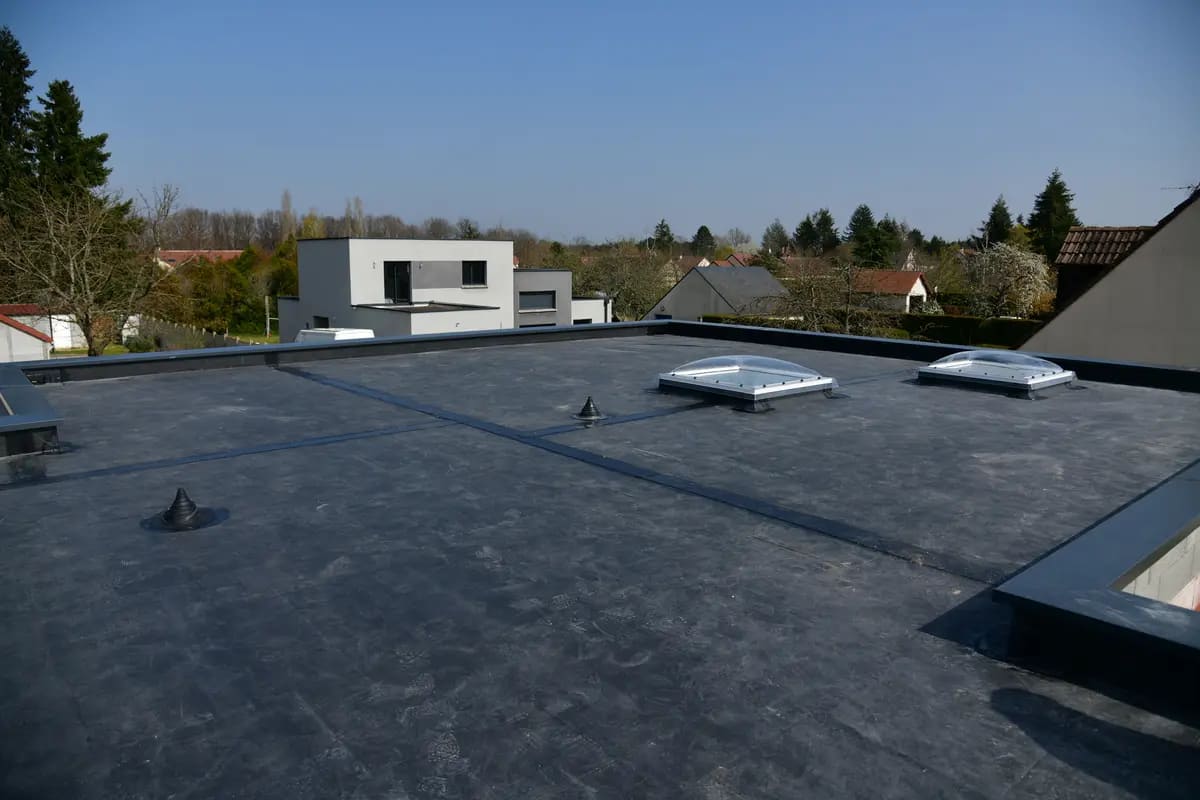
{"points": [[173, 336]]}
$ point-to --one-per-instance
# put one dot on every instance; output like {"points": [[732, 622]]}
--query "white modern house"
{"points": [[404, 287]]}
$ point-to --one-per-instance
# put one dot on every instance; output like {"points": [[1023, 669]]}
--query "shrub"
{"points": [[140, 344]]}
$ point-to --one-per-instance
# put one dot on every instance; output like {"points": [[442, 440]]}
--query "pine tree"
{"points": [[1053, 215], [997, 228], [64, 158], [775, 239], [703, 242], [663, 240], [827, 232], [805, 236], [14, 116], [862, 224]]}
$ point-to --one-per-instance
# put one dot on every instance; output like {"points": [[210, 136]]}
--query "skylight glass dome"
{"points": [[745, 377], [998, 368]]}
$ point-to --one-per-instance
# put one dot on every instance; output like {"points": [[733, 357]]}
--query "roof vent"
{"points": [[754, 379], [999, 369]]}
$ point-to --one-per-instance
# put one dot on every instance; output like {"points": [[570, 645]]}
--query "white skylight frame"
{"points": [[998, 368], [743, 377]]}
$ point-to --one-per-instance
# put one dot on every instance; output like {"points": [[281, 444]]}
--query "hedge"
{"points": [[945, 328]]}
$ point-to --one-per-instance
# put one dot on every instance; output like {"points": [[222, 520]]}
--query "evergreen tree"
{"points": [[805, 236], [64, 158], [775, 239], [703, 242], [862, 224], [997, 228], [1053, 215], [827, 232], [663, 240], [14, 116]]}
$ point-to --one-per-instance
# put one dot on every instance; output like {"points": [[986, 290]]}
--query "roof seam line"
{"points": [[844, 532]]}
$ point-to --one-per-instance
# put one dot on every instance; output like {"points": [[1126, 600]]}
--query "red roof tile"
{"points": [[177, 257], [1094, 246], [21, 326], [887, 281], [21, 309]]}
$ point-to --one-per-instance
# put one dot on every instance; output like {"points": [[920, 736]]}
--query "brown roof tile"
{"points": [[1100, 246], [21, 309], [887, 281]]}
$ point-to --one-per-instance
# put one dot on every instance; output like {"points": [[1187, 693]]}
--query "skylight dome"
{"points": [[751, 378], [998, 368]]}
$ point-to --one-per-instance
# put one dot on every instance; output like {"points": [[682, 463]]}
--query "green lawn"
{"points": [[111, 350]]}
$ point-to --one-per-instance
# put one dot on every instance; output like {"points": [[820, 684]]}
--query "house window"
{"points": [[662, 316], [474, 273], [397, 281], [582, 322], [537, 325], [320, 322], [536, 301]]}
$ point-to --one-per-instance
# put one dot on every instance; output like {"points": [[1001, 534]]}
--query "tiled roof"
{"points": [[21, 309], [743, 288], [1098, 246], [743, 259], [887, 281], [177, 257], [23, 328]]}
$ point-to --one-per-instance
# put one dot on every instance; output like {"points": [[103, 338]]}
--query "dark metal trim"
{"points": [[75, 369]]}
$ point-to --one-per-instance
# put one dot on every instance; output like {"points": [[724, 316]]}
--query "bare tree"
{"points": [[268, 229], [633, 277], [157, 210], [77, 253], [737, 237], [287, 216], [438, 228], [1006, 280], [360, 217]]}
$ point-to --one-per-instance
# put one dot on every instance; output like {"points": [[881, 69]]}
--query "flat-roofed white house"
{"points": [[403, 287]]}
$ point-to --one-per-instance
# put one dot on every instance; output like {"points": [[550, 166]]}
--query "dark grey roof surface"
{"points": [[433, 583], [742, 287]]}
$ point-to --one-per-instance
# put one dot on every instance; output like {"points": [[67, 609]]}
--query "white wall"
{"points": [[1146, 310], [597, 309], [17, 345], [366, 270], [459, 321]]}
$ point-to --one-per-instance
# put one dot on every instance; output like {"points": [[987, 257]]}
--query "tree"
{"points": [[805, 236], [703, 242], [287, 216], [76, 253], [775, 239], [827, 232], [737, 238], [466, 229], [64, 159], [663, 240], [1006, 281], [998, 226], [862, 224], [438, 228], [1052, 217], [631, 276], [15, 165], [312, 226]]}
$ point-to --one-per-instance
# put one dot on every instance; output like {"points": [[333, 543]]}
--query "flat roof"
{"points": [[425, 308], [430, 580]]}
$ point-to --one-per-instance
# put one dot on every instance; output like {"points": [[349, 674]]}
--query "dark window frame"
{"points": [[472, 270], [317, 323]]}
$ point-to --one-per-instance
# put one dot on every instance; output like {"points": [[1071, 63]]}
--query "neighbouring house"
{"points": [[403, 287], [1087, 255], [1144, 307], [21, 342], [174, 259], [720, 290], [892, 290], [62, 329]]}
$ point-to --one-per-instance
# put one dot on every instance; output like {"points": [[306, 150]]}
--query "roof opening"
{"points": [[753, 379], [1172, 575], [997, 369]]}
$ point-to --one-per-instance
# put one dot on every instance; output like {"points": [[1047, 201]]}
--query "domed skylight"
{"points": [[745, 377], [1001, 368]]}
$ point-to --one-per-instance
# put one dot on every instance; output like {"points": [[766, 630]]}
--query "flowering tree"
{"points": [[1006, 281]]}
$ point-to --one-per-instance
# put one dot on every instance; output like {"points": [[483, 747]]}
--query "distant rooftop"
{"points": [[426, 578], [1100, 246]]}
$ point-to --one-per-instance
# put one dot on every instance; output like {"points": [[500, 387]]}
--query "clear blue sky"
{"points": [[597, 119]]}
